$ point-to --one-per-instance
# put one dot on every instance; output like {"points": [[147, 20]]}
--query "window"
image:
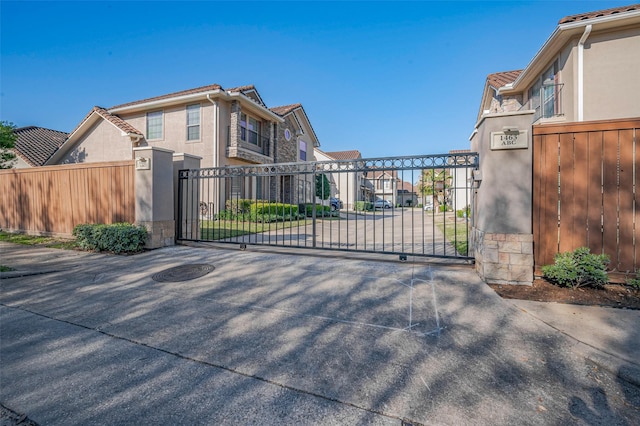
{"points": [[154, 125], [386, 183], [193, 122], [544, 94], [250, 130], [303, 151]]}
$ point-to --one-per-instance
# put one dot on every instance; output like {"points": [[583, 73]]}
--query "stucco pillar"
{"points": [[154, 194], [187, 197], [502, 234]]}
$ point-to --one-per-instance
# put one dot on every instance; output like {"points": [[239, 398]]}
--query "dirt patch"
{"points": [[612, 295]]}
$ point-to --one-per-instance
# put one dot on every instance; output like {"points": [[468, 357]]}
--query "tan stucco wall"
{"points": [[503, 198], [174, 135], [611, 83], [612, 75], [20, 163], [102, 142]]}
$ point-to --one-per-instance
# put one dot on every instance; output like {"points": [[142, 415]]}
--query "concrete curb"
{"points": [[614, 365], [18, 274]]}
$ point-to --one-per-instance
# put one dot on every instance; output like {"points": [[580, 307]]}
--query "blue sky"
{"points": [[386, 78]]}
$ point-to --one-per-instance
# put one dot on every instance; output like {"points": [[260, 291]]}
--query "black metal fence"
{"points": [[418, 205]]}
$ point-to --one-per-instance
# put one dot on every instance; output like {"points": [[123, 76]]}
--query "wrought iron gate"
{"points": [[418, 205]]}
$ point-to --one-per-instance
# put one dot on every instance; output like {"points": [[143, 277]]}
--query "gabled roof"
{"points": [[36, 144], [249, 91], [97, 113], [285, 110], [499, 79], [407, 186], [598, 14], [345, 155], [248, 96], [113, 119]]}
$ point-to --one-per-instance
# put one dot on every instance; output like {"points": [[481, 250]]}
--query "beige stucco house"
{"points": [[224, 127], [347, 183], [587, 70]]}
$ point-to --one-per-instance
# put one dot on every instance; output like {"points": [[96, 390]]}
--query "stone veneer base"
{"points": [[504, 258]]}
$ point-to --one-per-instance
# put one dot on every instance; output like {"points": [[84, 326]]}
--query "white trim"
{"points": [[166, 101], [561, 35], [583, 39]]}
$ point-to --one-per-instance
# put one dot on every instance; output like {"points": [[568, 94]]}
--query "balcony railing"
{"points": [[250, 139], [547, 103]]}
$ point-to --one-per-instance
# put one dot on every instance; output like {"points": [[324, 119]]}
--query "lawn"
{"points": [[221, 229], [38, 240], [456, 233]]}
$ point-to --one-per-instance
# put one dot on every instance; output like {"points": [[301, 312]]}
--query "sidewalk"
{"points": [[277, 338]]}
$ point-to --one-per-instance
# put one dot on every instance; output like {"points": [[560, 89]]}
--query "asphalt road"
{"points": [[273, 338]]}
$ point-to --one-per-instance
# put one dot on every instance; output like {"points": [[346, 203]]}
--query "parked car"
{"points": [[382, 204], [336, 204]]}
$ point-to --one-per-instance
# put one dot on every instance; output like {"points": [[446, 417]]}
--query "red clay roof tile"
{"points": [[598, 14], [345, 155], [172, 95], [499, 79]]}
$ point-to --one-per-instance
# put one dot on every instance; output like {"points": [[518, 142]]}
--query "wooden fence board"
{"points": [[549, 202], [625, 202], [567, 204], [53, 199], [610, 197], [599, 184], [580, 192], [594, 194]]}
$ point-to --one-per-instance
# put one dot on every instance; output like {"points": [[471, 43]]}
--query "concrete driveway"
{"points": [[399, 230], [273, 338]]}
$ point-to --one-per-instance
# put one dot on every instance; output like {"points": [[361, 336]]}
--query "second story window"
{"points": [[154, 125], [193, 122], [250, 130], [303, 151], [544, 95]]}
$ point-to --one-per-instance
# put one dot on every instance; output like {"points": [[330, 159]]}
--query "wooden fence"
{"points": [[52, 200], [585, 191]]}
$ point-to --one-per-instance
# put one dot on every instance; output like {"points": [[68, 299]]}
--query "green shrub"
{"points": [[116, 238], [239, 206], [634, 282], [577, 269], [363, 205], [461, 213], [321, 211]]}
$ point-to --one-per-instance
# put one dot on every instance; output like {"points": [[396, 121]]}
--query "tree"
{"points": [[323, 187], [7, 143], [437, 183]]}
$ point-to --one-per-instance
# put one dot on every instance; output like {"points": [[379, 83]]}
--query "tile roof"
{"points": [[285, 109], [242, 88], [36, 145], [173, 95], [499, 79], [345, 155], [119, 122], [407, 186], [598, 14]]}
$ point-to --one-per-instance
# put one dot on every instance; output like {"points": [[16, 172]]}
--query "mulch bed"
{"points": [[612, 295]]}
